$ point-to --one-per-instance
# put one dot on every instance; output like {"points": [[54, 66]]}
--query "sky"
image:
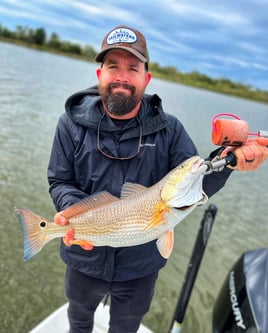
{"points": [[221, 39]]}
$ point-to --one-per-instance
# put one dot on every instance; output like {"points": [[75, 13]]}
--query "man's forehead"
{"points": [[116, 55]]}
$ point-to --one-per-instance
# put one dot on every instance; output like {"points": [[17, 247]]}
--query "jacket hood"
{"points": [[85, 109]]}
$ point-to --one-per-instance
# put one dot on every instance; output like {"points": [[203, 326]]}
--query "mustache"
{"points": [[123, 85]]}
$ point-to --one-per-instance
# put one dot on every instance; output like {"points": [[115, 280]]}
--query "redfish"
{"points": [[141, 215]]}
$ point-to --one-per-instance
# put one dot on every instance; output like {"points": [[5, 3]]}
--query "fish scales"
{"points": [[121, 219], [139, 216]]}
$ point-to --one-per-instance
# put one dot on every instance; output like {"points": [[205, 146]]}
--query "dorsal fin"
{"points": [[129, 189], [90, 203]]}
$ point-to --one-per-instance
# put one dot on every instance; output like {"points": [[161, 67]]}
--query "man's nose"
{"points": [[122, 76]]}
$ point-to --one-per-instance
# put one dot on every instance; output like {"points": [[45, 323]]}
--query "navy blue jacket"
{"points": [[77, 169]]}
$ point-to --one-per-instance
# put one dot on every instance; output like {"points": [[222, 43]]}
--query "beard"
{"points": [[119, 103]]}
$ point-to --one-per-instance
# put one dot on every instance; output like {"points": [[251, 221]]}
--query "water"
{"points": [[33, 89]]}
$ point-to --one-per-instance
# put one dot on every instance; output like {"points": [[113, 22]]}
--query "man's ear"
{"points": [[148, 78], [98, 73]]}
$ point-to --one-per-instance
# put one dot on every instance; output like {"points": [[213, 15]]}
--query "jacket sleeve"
{"points": [[62, 185], [182, 147], [213, 182]]}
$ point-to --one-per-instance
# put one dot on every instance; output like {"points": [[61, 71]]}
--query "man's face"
{"points": [[122, 82]]}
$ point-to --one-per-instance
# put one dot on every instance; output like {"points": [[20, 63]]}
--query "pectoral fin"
{"points": [[158, 218], [165, 244]]}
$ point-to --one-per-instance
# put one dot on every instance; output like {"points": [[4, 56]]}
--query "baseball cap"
{"points": [[125, 38]]}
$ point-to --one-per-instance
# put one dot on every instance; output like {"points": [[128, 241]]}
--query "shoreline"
{"points": [[250, 93]]}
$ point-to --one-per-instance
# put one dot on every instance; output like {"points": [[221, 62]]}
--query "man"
{"points": [[109, 135]]}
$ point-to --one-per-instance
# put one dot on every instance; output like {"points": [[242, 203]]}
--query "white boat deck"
{"points": [[57, 322]]}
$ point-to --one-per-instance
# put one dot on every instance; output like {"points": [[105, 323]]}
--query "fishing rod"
{"points": [[193, 267]]}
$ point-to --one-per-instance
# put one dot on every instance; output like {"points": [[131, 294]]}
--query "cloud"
{"points": [[220, 38]]}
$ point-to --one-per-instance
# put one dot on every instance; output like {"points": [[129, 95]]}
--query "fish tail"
{"points": [[33, 228]]}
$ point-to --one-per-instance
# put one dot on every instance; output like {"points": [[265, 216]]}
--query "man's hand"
{"points": [[69, 238], [250, 155]]}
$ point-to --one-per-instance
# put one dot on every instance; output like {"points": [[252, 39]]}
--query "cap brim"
{"points": [[102, 54]]}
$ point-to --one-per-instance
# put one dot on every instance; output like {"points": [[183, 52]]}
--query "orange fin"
{"points": [[158, 217], [86, 245], [129, 189], [90, 203], [165, 244]]}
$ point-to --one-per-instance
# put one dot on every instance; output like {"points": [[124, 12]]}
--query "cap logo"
{"points": [[121, 35]]}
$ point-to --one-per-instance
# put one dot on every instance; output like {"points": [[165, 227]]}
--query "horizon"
{"points": [[221, 41]]}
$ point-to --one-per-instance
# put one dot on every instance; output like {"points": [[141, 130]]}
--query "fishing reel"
{"points": [[229, 132]]}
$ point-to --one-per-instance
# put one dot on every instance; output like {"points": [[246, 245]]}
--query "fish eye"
{"points": [[42, 224]]}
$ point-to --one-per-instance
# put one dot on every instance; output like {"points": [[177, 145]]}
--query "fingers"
{"points": [[226, 151], [250, 155], [69, 237], [247, 154], [256, 152], [59, 219], [69, 240], [261, 141]]}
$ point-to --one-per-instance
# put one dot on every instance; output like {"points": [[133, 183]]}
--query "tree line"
{"points": [[38, 38]]}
